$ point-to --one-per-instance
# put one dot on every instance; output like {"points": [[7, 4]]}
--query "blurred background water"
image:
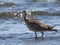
{"points": [[18, 5], [14, 31]]}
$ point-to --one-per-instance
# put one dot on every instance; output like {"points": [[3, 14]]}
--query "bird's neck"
{"points": [[25, 17]]}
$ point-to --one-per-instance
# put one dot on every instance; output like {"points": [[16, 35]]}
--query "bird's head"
{"points": [[26, 13]]}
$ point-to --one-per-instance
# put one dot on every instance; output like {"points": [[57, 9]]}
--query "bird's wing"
{"points": [[37, 25], [43, 25]]}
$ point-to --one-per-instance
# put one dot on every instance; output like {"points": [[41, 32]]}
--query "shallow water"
{"points": [[13, 32]]}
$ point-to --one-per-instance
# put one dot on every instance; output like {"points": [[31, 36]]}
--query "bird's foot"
{"points": [[42, 37], [35, 37]]}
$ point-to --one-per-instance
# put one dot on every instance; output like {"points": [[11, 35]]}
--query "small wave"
{"points": [[8, 15], [46, 0], [5, 37], [13, 15], [45, 13], [8, 4]]}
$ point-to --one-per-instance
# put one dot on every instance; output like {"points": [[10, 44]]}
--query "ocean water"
{"points": [[18, 5], [15, 32]]}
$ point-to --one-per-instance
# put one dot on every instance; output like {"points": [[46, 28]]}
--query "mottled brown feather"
{"points": [[35, 25]]}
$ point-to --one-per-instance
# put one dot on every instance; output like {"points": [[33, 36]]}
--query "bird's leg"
{"points": [[35, 34], [42, 35]]}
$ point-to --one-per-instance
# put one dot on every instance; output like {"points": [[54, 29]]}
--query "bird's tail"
{"points": [[54, 30]]}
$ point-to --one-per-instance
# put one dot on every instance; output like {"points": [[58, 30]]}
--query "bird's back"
{"points": [[35, 25]]}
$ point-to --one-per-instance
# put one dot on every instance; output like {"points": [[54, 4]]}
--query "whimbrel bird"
{"points": [[37, 26]]}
